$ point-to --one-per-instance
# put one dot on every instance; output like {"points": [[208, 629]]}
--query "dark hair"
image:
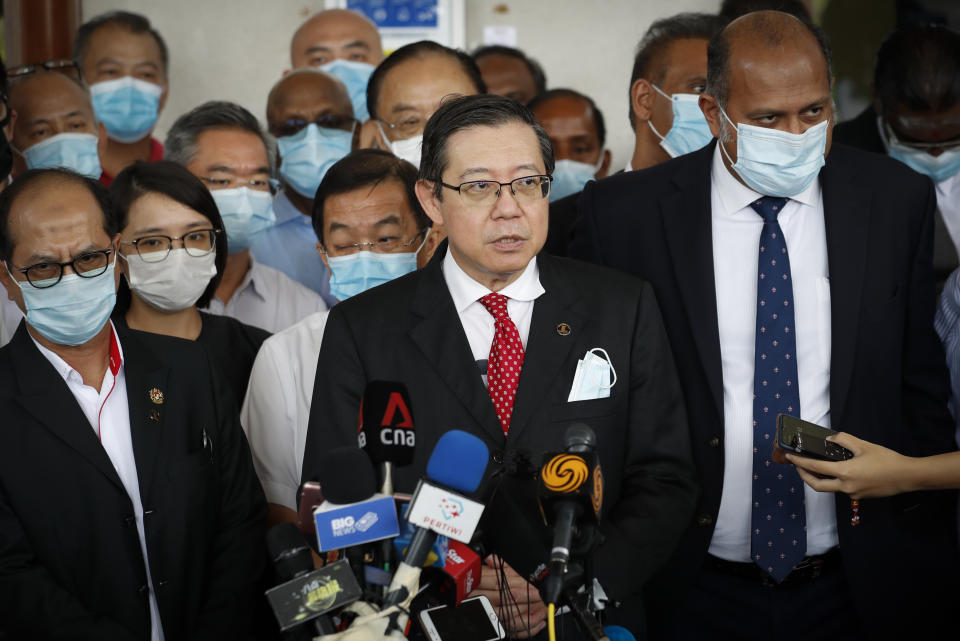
{"points": [[772, 33], [550, 94], [37, 177], [484, 110], [367, 168], [132, 22], [181, 143], [177, 183], [419, 50], [536, 71], [733, 9], [647, 62], [918, 66]]}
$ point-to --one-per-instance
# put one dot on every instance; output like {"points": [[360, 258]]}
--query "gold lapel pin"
{"points": [[563, 329], [156, 396]]}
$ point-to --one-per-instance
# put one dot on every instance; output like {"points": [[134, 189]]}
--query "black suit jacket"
{"points": [[862, 133], [408, 330], [888, 381], [563, 214], [71, 566]]}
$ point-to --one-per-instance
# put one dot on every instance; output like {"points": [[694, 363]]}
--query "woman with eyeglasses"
{"points": [[172, 253]]}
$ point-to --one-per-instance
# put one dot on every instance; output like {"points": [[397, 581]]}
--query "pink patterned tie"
{"points": [[506, 359]]}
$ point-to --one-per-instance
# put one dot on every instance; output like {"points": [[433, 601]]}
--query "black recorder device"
{"points": [[808, 439]]}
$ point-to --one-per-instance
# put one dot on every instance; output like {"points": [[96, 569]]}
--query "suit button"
{"points": [[704, 520], [715, 442], [498, 457], [143, 590]]}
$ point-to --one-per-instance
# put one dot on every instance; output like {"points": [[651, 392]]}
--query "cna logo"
{"points": [[450, 507]]}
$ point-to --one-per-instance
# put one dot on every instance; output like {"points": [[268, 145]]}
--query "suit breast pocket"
{"points": [[583, 410]]}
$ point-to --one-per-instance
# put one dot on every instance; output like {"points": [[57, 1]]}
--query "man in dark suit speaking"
{"points": [[492, 312], [794, 278], [129, 508]]}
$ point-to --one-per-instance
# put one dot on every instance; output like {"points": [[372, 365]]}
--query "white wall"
{"points": [[235, 50]]}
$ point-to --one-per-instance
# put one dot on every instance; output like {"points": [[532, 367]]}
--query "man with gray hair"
{"points": [[224, 146], [795, 278]]}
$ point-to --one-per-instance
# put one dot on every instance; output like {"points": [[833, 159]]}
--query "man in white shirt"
{"points": [[795, 278], [224, 146], [489, 337], [130, 508], [365, 203]]}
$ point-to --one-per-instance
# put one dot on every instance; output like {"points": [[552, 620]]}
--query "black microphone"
{"points": [[305, 595], [571, 490], [386, 429]]}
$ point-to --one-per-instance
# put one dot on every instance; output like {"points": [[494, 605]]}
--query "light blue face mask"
{"points": [[77, 152], [127, 107], [939, 168], [778, 163], [74, 310], [689, 131], [355, 75], [363, 270], [308, 154], [246, 213], [569, 177]]}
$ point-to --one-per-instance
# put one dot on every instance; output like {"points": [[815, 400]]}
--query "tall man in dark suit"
{"points": [[789, 286], [490, 312], [129, 508]]}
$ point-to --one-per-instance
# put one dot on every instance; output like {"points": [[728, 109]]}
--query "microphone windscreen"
{"points": [[579, 437], [288, 550], [346, 475], [617, 633], [458, 461], [387, 429]]}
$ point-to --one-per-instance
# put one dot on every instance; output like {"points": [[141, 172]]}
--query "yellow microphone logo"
{"points": [[564, 473]]}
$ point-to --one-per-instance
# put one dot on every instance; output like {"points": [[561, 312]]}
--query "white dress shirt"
{"points": [[478, 323], [276, 411], [109, 417], [736, 240], [269, 299]]}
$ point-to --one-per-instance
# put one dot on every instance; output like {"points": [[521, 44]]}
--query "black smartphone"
{"points": [[808, 439]]}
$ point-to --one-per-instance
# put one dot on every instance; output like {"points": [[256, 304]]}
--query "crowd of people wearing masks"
{"points": [[189, 324]]}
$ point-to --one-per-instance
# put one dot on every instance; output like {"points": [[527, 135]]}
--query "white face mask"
{"points": [[408, 149], [174, 283]]}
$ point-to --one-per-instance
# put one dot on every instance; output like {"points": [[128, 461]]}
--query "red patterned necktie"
{"points": [[505, 361]]}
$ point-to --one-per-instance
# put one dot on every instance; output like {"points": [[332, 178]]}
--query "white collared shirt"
{"points": [[269, 299], [109, 417], [276, 410], [736, 240], [478, 323]]}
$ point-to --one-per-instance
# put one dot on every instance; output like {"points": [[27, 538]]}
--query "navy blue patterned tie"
{"points": [[778, 538]]}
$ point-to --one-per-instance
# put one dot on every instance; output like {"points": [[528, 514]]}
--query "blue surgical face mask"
{"points": [[569, 177], [127, 107], [77, 152], [363, 270], [308, 154], [939, 168], [355, 75], [689, 131], [778, 163], [246, 213], [74, 310]]}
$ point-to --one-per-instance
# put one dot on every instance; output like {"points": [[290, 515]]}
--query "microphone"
{"points": [[571, 487], [456, 467], [305, 594], [452, 582], [353, 515], [386, 431]]}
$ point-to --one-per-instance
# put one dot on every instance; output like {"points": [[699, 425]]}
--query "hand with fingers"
{"points": [[517, 602]]}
